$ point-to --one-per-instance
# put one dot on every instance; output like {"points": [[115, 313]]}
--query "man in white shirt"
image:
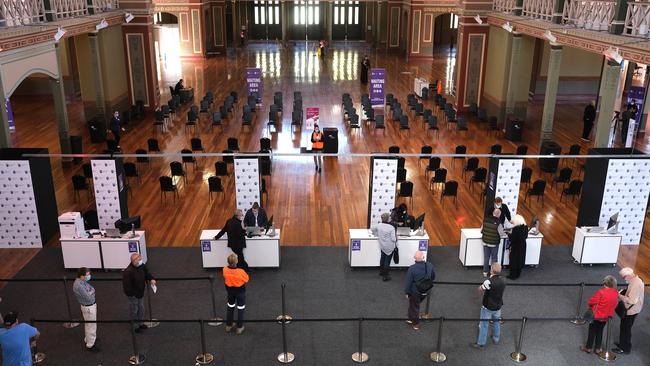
{"points": [[632, 298], [387, 238]]}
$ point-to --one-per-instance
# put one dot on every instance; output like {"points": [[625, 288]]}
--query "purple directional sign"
{"points": [[377, 82]]}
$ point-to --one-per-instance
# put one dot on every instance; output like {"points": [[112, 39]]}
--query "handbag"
{"points": [[396, 255], [621, 309], [588, 315], [424, 284]]}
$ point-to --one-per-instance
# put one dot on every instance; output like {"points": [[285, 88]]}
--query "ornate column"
{"points": [[58, 95], [515, 57], [552, 80], [470, 61], [96, 67], [606, 102], [5, 133]]}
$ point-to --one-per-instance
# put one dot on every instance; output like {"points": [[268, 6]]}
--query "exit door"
{"points": [[346, 20]]}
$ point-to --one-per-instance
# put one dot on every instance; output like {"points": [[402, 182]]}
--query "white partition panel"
{"points": [[18, 217], [508, 182], [383, 177], [247, 182], [626, 191], [107, 196]]}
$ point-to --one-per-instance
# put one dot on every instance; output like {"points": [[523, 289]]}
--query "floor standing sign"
{"points": [[254, 81], [377, 82], [313, 115]]}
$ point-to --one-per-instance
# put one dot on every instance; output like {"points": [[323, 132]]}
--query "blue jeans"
{"points": [[484, 324], [489, 253]]}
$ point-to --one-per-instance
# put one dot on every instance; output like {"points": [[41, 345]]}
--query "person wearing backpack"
{"points": [[419, 280], [492, 290]]}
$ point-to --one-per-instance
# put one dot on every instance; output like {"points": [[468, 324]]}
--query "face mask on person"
{"points": [[497, 206], [138, 263], [88, 277]]}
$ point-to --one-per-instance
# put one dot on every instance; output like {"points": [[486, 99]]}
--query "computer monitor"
{"points": [[126, 223], [268, 225], [419, 221], [612, 223], [534, 224]]}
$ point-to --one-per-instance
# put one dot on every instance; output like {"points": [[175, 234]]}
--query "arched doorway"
{"points": [[167, 47], [445, 31]]}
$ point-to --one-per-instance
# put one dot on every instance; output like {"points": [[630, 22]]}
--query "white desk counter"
{"points": [[471, 248], [260, 251], [103, 253], [595, 248], [363, 249]]}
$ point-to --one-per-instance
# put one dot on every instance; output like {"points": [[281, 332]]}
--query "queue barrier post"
{"points": [[204, 357], [607, 354], [285, 356], [517, 355], [578, 319], [152, 322], [438, 356], [427, 314], [284, 318], [215, 320], [37, 357], [136, 358], [360, 356], [69, 324]]}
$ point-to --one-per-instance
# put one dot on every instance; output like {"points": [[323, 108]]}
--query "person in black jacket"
{"points": [[492, 290], [588, 118], [236, 237], [134, 282], [116, 127], [517, 237], [505, 211], [256, 216], [416, 272]]}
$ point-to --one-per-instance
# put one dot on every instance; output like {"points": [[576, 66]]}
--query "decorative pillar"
{"points": [[284, 9], [515, 57], [552, 80], [620, 12], [141, 59], [5, 133], [96, 67], [58, 95], [606, 102], [470, 61]]}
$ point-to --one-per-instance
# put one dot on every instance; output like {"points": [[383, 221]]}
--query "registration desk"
{"points": [[260, 251], [471, 249], [595, 247], [103, 253], [363, 249]]}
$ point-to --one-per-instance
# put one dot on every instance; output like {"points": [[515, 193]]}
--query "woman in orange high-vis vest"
{"points": [[235, 280], [317, 147]]}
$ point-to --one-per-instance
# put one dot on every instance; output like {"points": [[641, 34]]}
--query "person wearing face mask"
{"points": [[505, 212], [134, 282], [631, 299], [317, 145], [255, 217], [85, 295], [236, 237]]}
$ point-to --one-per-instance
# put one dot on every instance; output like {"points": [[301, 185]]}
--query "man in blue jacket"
{"points": [[420, 270]]}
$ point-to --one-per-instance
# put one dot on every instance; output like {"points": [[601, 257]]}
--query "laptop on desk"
{"points": [[113, 233], [254, 231], [403, 231]]}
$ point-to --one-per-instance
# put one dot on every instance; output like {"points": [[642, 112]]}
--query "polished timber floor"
{"points": [[320, 284], [311, 209]]}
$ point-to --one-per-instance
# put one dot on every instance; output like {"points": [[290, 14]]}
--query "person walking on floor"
{"points": [[418, 273], [85, 295], [632, 300], [492, 290], [235, 280], [517, 237], [116, 127], [492, 231], [365, 68], [134, 282], [317, 146], [588, 118], [16, 341], [387, 238], [602, 305], [236, 237]]}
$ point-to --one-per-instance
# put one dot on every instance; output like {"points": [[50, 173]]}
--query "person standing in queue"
{"points": [[317, 146], [236, 237], [235, 280], [85, 295], [387, 238], [134, 282], [15, 341], [419, 271], [632, 300], [517, 237]]}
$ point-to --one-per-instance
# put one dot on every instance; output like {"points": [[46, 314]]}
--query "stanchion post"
{"points": [[606, 354], [285, 356], [137, 358], [69, 324], [438, 356], [204, 357], [427, 314], [360, 356], [578, 320], [215, 320], [152, 323], [517, 355], [284, 318], [37, 357]]}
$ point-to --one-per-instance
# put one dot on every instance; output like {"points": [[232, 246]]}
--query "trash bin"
{"points": [[514, 128], [76, 147], [97, 131], [549, 148], [331, 140]]}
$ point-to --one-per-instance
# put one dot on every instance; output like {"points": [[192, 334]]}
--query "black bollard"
{"points": [[152, 323], [438, 356], [284, 318], [360, 356], [70, 324], [285, 356], [517, 356], [137, 358], [204, 357], [578, 320], [215, 320]]}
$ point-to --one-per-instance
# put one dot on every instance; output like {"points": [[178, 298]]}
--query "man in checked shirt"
{"points": [[85, 295]]}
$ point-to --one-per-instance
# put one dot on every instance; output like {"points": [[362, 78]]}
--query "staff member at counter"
{"points": [[236, 237], [256, 217], [399, 216], [505, 211]]}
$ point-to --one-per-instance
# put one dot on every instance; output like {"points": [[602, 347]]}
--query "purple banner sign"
{"points": [[206, 246], [254, 80], [423, 245], [377, 81], [356, 245], [10, 115], [133, 246]]}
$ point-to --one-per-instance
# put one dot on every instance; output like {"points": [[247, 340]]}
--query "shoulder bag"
{"points": [[396, 255], [424, 284], [621, 309]]}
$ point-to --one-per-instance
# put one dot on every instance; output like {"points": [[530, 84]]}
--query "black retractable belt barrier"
{"points": [[215, 320], [285, 356], [69, 324], [152, 322], [284, 318], [607, 354], [517, 355], [137, 358], [360, 356], [204, 357], [578, 320], [438, 356]]}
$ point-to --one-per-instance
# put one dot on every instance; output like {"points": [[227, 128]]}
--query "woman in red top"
{"points": [[602, 304]]}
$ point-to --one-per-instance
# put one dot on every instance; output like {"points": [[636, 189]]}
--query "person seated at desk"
{"points": [[179, 86], [256, 217], [399, 216]]}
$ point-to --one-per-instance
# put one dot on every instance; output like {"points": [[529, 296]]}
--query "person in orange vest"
{"points": [[317, 147], [439, 87], [235, 280]]}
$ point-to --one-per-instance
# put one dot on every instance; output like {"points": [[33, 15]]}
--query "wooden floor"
{"points": [[311, 209]]}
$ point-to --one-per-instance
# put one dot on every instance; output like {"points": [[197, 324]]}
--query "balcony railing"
{"points": [[62, 9], [100, 6], [21, 12], [506, 6], [637, 19], [590, 14], [539, 9]]}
